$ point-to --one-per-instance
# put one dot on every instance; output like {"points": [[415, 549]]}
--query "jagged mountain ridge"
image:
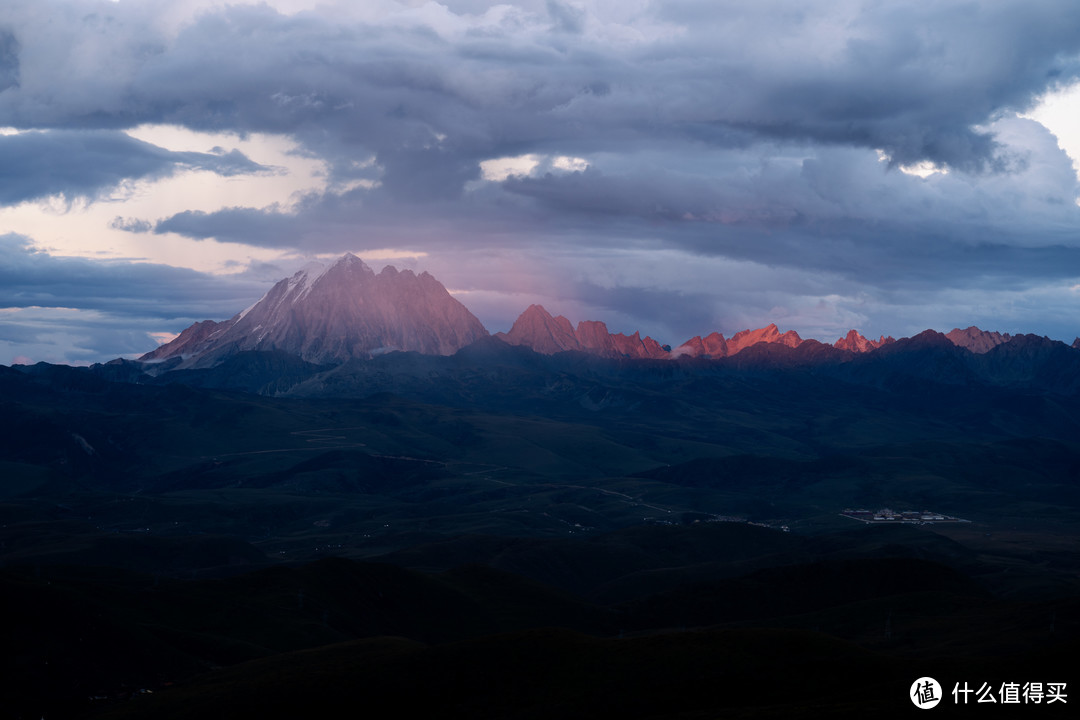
{"points": [[715, 345], [976, 340], [538, 330], [332, 314], [855, 342]]}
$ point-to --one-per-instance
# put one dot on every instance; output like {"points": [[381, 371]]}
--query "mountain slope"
{"points": [[855, 342], [538, 330], [333, 314], [976, 340]]}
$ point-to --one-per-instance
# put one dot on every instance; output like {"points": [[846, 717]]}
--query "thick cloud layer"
{"points": [[86, 164], [31, 278], [429, 88], [771, 139], [77, 310]]}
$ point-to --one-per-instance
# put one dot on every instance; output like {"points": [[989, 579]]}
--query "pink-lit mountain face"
{"points": [[537, 329], [976, 340], [335, 313], [189, 341], [855, 342], [330, 314], [715, 345]]}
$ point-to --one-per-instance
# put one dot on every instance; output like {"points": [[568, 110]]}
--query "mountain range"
{"points": [[555, 520], [343, 311]]}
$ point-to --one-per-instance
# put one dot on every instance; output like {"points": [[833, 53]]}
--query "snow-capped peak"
{"points": [[343, 310]]}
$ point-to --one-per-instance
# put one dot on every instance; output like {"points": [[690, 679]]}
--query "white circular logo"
{"points": [[925, 693]]}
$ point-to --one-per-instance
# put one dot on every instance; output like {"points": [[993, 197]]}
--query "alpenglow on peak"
{"points": [[333, 313]]}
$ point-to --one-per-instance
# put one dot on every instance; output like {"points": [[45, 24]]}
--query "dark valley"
{"points": [[351, 492]]}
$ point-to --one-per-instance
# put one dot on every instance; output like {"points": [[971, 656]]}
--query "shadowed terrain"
{"points": [[504, 534]]}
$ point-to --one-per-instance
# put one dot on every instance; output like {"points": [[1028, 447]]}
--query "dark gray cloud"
{"points": [[9, 59], [87, 163], [131, 225], [426, 174], [30, 278], [72, 336], [735, 136], [915, 80], [266, 228], [566, 18], [829, 209]]}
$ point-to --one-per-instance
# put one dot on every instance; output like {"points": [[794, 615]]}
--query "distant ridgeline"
{"points": [[344, 311]]}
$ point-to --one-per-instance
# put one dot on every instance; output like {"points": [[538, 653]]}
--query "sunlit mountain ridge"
{"points": [[344, 311]]}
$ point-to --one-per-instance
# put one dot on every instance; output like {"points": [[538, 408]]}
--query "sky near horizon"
{"points": [[672, 167]]}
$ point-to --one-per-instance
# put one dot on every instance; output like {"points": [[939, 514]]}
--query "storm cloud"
{"points": [[85, 164], [773, 139], [32, 278], [916, 81]]}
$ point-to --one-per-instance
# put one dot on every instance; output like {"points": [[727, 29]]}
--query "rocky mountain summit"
{"points": [[855, 342], [976, 340], [715, 345], [329, 314], [537, 329]]}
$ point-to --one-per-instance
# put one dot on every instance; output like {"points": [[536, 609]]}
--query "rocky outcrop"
{"points": [[712, 345], [538, 330], [187, 342], [768, 334], [715, 345], [855, 342], [976, 340]]}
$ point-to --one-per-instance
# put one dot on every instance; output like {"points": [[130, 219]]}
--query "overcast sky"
{"points": [[670, 166]]}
